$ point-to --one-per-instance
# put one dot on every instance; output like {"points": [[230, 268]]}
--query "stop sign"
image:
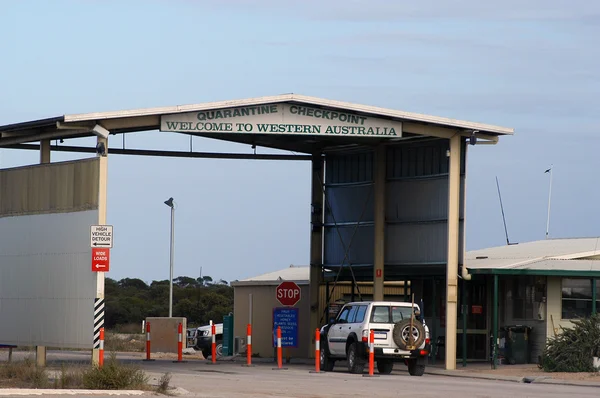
{"points": [[288, 293]]}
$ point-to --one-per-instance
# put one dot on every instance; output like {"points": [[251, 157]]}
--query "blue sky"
{"points": [[533, 66]]}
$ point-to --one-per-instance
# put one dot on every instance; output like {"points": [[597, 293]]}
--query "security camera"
{"points": [[101, 149], [473, 138], [100, 131]]}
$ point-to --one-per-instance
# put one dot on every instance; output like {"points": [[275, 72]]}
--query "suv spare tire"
{"points": [[401, 333]]}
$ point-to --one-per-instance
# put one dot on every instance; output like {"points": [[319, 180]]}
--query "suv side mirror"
{"points": [[418, 314], [331, 321]]}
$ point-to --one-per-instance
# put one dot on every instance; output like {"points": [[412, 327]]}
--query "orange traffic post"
{"points": [[148, 342], [317, 352], [371, 355], [248, 346], [101, 349], [213, 331], [180, 343], [279, 351]]}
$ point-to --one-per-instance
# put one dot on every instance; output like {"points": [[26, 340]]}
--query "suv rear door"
{"points": [[382, 321]]}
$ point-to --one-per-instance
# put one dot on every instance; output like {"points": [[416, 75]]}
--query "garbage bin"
{"points": [[517, 347]]}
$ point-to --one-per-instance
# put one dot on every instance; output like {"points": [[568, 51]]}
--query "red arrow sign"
{"points": [[100, 259], [288, 293]]}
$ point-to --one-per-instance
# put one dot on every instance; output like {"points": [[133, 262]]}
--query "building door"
{"points": [[476, 307]]}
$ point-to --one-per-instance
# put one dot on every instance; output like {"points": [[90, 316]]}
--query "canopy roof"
{"points": [[412, 125]]}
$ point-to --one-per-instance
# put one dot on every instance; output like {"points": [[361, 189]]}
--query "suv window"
{"points": [[400, 313], [385, 314], [360, 314], [352, 314], [343, 317]]}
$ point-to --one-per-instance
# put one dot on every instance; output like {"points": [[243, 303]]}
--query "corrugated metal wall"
{"points": [[349, 203], [49, 188], [416, 208], [47, 288], [343, 290]]}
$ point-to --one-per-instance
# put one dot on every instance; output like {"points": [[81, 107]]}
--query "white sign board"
{"points": [[281, 119], [101, 236]]}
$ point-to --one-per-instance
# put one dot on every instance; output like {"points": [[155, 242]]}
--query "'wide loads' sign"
{"points": [[281, 119]]}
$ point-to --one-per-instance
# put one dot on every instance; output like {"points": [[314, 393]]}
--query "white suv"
{"points": [[346, 337]]}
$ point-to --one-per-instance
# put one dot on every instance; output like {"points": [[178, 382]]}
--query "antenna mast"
{"points": [[502, 209]]}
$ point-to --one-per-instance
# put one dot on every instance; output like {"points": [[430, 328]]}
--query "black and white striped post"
{"points": [[98, 320]]}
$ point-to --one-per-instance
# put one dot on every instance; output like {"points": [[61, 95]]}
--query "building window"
{"points": [[577, 297]]}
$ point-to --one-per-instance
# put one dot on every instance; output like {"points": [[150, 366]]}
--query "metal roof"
{"points": [[573, 256], [80, 125], [296, 273]]}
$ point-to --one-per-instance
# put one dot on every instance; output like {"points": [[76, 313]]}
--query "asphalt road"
{"points": [[231, 379], [234, 380]]}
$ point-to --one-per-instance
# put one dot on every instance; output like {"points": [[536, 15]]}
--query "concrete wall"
{"points": [[163, 333], [264, 300], [554, 307]]}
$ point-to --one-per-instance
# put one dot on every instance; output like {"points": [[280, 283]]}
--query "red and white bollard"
{"points": [[371, 355], [180, 343], [101, 349], [213, 331], [317, 352], [248, 345], [148, 342], [279, 351]]}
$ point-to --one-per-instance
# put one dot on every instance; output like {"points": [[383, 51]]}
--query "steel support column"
{"points": [[453, 235], [379, 227], [594, 296], [316, 245], [40, 351], [495, 323], [465, 312], [102, 196], [45, 151]]}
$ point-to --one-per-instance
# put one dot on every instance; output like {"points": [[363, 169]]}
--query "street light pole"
{"points": [[170, 203]]}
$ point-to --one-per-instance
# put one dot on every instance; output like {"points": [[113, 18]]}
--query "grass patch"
{"points": [[121, 342], [112, 376], [23, 374]]}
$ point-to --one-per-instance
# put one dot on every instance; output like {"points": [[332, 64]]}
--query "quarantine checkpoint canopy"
{"points": [[287, 122]]}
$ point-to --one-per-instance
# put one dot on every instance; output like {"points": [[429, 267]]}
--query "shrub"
{"points": [[115, 376], [24, 374], [573, 349]]}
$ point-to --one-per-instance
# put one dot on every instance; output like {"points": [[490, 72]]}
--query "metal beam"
{"points": [[316, 246], [175, 154], [594, 296], [379, 223], [453, 255]]}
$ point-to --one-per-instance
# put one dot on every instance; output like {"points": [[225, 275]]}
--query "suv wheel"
{"points": [[385, 366], [414, 369], [356, 362], [326, 362]]}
